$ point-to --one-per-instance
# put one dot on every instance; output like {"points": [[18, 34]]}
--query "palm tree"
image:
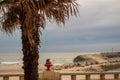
{"points": [[30, 16]]}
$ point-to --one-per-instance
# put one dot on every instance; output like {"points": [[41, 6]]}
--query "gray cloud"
{"points": [[96, 29], [98, 24], [10, 43]]}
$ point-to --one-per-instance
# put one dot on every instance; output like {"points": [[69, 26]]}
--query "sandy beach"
{"points": [[16, 69], [103, 64]]}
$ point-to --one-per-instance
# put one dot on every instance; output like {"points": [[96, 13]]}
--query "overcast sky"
{"points": [[97, 29]]}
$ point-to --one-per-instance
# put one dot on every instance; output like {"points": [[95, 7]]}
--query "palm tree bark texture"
{"points": [[30, 41], [30, 16]]}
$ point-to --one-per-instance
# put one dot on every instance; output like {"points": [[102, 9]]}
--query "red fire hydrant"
{"points": [[48, 64]]}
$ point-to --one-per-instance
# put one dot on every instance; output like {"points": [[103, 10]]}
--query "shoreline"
{"points": [[10, 69], [85, 63], [81, 63], [92, 63], [17, 69]]}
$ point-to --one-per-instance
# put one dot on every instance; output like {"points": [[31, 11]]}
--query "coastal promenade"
{"points": [[91, 76], [70, 76]]}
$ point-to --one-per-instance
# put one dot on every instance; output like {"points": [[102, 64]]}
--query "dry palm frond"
{"points": [[58, 10], [34, 13], [10, 18], [10, 21]]}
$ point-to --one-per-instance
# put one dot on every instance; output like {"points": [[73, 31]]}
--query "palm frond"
{"points": [[31, 13], [10, 19], [59, 10], [10, 22]]}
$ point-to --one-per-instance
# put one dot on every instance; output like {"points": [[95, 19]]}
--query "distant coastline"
{"points": [[74, 62], [93, 62], [82, 62]]}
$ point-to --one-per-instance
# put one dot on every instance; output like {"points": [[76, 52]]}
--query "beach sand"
{"points": [[17, 69]]}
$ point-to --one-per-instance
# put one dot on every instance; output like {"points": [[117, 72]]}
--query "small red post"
{"points": [[48, 64]]}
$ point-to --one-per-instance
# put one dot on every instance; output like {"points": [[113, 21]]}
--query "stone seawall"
{"points": [[92, 62], [110, 66]]}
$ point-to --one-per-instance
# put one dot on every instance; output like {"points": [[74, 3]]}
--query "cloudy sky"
{"points": [[96, 29]]}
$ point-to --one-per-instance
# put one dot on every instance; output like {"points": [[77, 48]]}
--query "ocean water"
{"points": [[56, 58]]}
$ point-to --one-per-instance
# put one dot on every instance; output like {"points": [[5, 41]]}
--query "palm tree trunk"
{"points": [[30, 41], [31, 54]]}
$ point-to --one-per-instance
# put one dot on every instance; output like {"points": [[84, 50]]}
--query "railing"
{"points": [[7, 76], [73, 76]]}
